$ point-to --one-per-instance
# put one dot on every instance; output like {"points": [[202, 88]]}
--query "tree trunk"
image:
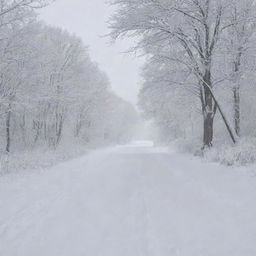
{"points": [[79, 124], [236, 93], [218, 107], [8, 133], [209, 110], [59, 129], [208, 130]]}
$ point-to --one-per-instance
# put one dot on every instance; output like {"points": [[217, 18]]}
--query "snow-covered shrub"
{"points": [[243, 153], [39, 158]]}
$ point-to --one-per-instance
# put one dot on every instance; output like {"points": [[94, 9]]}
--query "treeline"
{"points": [[50, 90], [199, 79]]}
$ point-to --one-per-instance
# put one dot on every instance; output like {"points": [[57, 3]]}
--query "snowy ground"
{"points": [[134, 200]]}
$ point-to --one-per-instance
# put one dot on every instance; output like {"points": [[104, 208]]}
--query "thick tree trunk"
{"points": [[210, 106], [218, 107], [8, 133], [236, 93], [209, 110], [208, 131]]}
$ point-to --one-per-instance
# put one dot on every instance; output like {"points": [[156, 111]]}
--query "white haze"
{"points": [[88, 20]]}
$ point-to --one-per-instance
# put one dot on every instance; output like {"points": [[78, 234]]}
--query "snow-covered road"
{"points": [[133, 200]]}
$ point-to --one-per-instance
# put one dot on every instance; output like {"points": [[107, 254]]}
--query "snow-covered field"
{"points": [[133, 200]]}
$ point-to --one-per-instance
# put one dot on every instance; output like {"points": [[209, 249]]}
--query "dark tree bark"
{"points": [[209, 109], [8, 132], [59, 128], [208, 131], [218, 107], [236, 95]]}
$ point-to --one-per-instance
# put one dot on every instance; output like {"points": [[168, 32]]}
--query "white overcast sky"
{"points": [[88, 20]]}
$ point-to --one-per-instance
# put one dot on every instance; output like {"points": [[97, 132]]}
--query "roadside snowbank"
{"points": [[39, 158], [241, 154]]}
